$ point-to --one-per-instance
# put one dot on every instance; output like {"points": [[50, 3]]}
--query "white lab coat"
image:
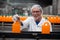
{"points": [[31, 25]]}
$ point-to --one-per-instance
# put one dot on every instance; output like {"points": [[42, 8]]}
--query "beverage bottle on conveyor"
{"points": [[46, 28], [16, 25]]}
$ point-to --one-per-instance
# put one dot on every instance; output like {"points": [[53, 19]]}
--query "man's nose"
{"points": [[35, 13]]}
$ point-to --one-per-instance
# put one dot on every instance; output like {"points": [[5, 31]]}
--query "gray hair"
{"points": [[37, 6]]}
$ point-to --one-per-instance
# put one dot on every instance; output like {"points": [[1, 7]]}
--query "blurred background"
{"points": [[9, 7], [22, 7]]}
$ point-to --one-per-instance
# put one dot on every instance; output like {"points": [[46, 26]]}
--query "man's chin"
{"points": [[36, 18]]}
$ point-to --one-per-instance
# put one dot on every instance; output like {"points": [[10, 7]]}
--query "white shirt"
{"points": [[31, 25]]}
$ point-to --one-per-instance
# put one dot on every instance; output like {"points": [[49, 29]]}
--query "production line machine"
{"points": [[8, 30]]}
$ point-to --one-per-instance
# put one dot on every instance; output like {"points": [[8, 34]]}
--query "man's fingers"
{"points": [[16, 18]]}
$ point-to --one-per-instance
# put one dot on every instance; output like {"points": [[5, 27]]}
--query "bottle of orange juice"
{"points": [[1, 18], [45, 28], [16, 27]]}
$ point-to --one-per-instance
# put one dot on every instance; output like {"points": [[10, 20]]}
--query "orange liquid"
{"points": [[1, 18], [58, 20], [16, 27], [46, 28], [23, 18], [51, 19], [6, 18], [9, 19]]}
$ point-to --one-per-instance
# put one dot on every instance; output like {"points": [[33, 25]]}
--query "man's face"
{"points": [[36, 12]]}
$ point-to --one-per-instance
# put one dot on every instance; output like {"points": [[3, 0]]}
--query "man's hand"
{"points": [[16, 18]]}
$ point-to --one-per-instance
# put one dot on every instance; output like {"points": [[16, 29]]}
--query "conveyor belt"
{"points": [[5, 32], [36, 35]]}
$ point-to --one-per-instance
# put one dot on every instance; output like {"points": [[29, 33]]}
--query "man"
{"points": [[35, 22]]}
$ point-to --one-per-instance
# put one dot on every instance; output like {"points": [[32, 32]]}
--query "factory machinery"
{"points": [[6, 28]]}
